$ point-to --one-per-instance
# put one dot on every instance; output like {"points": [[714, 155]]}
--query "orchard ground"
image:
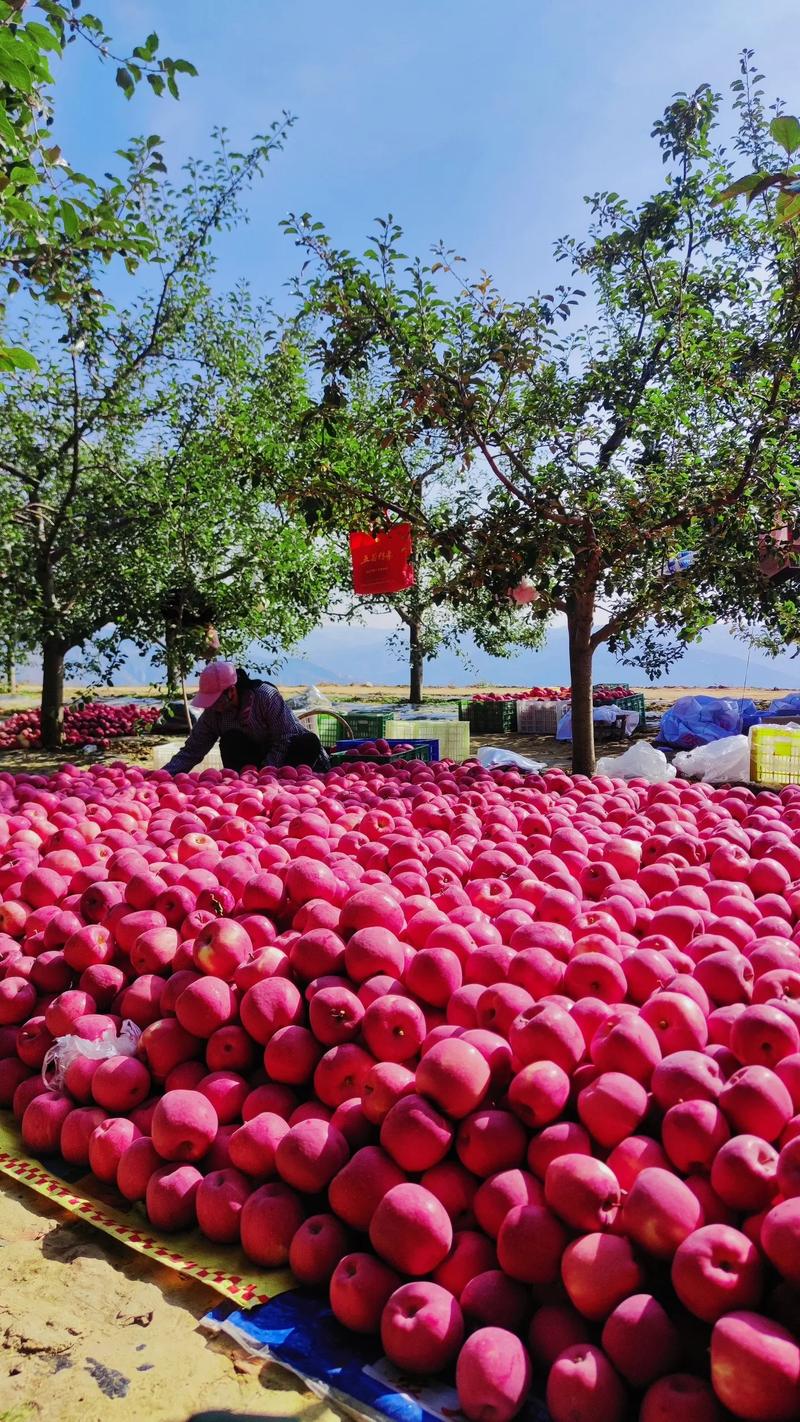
{"points": [[137, 750], [70, 1297]]}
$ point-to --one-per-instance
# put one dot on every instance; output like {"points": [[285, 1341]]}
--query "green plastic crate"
{"points": [[486, 716], [328, 728], [366, 726], [634, 702]]}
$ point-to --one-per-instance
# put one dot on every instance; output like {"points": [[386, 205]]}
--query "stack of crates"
{"points": [[540, 718]]}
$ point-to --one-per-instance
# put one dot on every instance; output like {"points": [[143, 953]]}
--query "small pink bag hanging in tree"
{"points": [[382, 561]]}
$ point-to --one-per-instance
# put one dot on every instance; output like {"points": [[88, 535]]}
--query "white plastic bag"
{"points": [[66, 1049], [498, 757], [602, 716], [640, 759], [718, 762]]}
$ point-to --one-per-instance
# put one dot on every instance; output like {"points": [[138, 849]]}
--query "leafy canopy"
{"points": [[647, 405], [51, 215]]}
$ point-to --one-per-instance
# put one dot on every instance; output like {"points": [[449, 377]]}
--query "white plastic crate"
{"points": [[540, 718], [164, 752]]}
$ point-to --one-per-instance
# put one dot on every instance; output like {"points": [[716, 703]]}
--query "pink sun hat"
{"points": [[214, 679]]}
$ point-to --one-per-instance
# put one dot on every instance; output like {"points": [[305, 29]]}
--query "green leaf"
{"points": [[156, 84], [23, 175], [771, 181], [183, 66], [13, 71], [8, 131], [124, 81], [786, 132], [69, 218], [788, 207], [44, 37], [20, 358], [742, 185]]}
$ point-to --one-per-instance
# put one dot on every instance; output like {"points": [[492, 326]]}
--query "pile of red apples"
{"points": [[508, 1065], [98, 725], [601, 696]]}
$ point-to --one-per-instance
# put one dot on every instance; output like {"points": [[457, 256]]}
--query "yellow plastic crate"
{"points": [[775, 755], [453, 736]]}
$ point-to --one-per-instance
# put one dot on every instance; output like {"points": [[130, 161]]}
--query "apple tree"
{"points": [[650, 404], [368, 465], [221, 563], [80, 428]]}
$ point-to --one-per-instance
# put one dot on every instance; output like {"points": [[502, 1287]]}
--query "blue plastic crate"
{"points": [[432, 745]]}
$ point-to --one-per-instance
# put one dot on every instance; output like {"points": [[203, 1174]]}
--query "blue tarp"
{"points": [[298, 1330], [698, 720], [784, 706]]}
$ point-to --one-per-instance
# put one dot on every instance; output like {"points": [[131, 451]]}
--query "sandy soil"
{"points": [[657, 696], [91, 1332]]}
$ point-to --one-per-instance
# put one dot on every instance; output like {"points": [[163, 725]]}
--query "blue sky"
{"points": [[482, 124]]}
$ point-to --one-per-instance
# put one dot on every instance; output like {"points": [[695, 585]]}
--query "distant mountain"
{"points": [[364, 654], [295, 672], [339, 654]]}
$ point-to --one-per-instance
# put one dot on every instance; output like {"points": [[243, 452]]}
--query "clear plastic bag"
{"points": [[641, 761], [498, 758], [718, 762], [66, 1049], [310, 699]]}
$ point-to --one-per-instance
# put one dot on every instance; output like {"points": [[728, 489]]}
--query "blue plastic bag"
{"points": [[698, 720]]}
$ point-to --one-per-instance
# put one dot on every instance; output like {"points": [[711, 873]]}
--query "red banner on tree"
{"points": [[382, 561]]}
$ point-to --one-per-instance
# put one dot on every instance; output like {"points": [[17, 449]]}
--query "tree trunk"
{"points": [[10, 668], [173, 674], [415, 658], [52, 707], [579, 624]]}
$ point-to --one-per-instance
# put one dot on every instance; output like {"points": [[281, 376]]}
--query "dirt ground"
{"points": [[657, 696], [90, 1332]]}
